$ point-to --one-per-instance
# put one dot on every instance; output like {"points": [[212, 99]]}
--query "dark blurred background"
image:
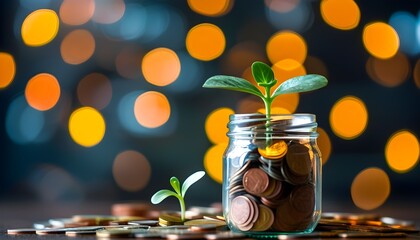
{"points": [[129, 111]]}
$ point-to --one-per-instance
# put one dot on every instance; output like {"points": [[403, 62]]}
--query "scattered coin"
{"points": [[144, 222], [75, 233], [225, 235], [21, 231], [113, 233], [199, 222], [168, 220]]}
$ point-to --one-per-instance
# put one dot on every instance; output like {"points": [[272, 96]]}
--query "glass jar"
{"points": [[272, 174]]}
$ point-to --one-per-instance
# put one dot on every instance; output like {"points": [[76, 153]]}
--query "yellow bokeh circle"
{"points": [[286, 45], [40, 27], [87, 126], [213, 161], [161, 66], [205, 42], [381, 40], [349, 117], [402, 151], [152, 109], [7, 69], [211, 8], [340, 14], [216, 125], [370, 188]]}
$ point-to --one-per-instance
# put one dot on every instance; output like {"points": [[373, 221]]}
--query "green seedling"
{"points": [[179, 192], [264, 77]]}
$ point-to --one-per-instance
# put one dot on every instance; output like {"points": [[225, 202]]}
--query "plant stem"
{"points": [[267, 102], [182, 204]]}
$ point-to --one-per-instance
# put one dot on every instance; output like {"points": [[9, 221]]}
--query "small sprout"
{"points": [[264, 77], [179, 192]]}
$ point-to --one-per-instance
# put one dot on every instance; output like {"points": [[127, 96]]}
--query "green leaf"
{"points": [[263, 74], [301, 84], [176, 185], [161, 195], [191, 180], [232, 83]]}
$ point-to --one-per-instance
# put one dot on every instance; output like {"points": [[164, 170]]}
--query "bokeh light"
{"points": [[286, 69], [124, 29], [108, 11], [23, 123], [212, 8], [402, 151], [348, 117], [42, 91], [40, 27], [406, 25], [205, 42], [190, 75], [324, 144], [340, 14], [152, 109], [76, 12], [275, 110], [240, 57], [216, 125], [213, 161], [249, 104], [289, 101], [315, 65], [390, 72], [416, 74], [87, 126], [380, 40], [370, 188], [77, 47], [7, 69], [53, 184], [161, 66], [293, 15], [131, 170], [95, 90], [286, 45]]}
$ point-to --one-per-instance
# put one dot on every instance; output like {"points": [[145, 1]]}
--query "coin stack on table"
{"points": [[273, 188]]}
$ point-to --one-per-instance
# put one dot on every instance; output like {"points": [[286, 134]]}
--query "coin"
{"points": [[298, 160], [141, 209], [198, 222], [274, 151], [302, 199], [75, 233], [255, 181], [265, 219], [241, 211], [113, 233], [21, 231], [168, 220], [144, 222]]}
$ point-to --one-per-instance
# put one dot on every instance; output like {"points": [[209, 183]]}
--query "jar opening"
{"points": [[246, 126]]}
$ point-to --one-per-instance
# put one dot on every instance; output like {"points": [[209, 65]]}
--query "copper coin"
{"points": [[241, 210], [140, 209], [298, 160], [302, 199], [255, 181]]}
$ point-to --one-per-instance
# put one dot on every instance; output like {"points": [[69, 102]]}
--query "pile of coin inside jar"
{"points": [[273, 188]]}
